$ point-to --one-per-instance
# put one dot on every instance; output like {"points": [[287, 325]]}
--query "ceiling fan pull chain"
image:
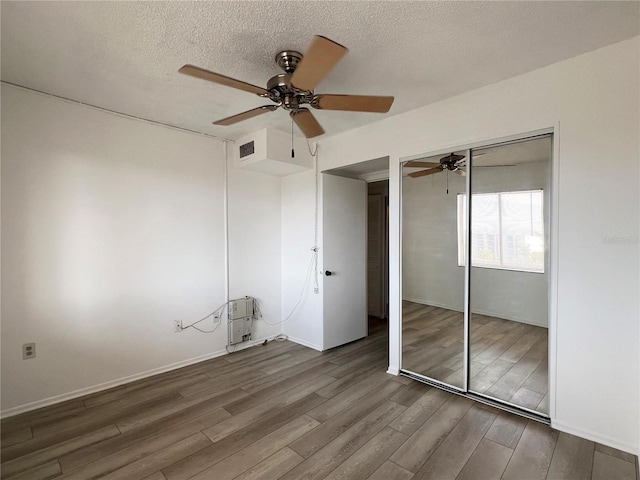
{"points": [[293, 154], [447, 182]]}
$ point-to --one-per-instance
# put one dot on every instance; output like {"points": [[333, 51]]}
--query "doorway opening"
{"points": [[375, 173], [378, 249]]}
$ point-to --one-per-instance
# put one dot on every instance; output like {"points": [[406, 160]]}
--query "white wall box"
{"points": [[269, 151]]}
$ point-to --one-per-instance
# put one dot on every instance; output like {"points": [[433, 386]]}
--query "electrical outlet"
{"points": [[177, 326], [216, 319], [28, 351]]}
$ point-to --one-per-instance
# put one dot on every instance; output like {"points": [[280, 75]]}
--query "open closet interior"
{"points": [[475, 271], [378, 249]]}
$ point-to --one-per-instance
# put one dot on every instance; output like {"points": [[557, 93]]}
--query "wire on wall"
{"points": [[305, 285], [314, 154], [226, 221], [312, 268], [216, 314]]}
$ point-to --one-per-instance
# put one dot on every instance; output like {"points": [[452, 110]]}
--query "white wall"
{"points": [[431, 274], [254, 244], [111, 229], [298, 219], [592, 101]]}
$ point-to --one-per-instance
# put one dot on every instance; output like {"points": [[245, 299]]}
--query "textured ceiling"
{"points": [[124, 56]]}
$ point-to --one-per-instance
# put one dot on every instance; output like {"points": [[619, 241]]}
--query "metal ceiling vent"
{"points": [[247, 149]]}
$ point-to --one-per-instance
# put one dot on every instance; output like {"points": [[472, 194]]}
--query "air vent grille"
{"points": [[247, 149]]}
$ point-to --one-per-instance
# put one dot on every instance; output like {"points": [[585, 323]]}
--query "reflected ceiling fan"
{"points": [[294, 88], [452, 163]]}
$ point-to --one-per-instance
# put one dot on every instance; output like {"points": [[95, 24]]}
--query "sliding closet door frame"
{"points": [[399, 306], [554, 223], [467, 274], [553, 273]]}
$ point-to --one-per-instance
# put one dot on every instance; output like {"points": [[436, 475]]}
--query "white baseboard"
{"points": [[512, 318], [595, 437], [10, 412], [528, 321], [304, 343], [431, 304], [27, 407], [393, 371]]}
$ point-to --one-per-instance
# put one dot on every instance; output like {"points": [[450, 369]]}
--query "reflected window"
{"points": [[507, 231]]}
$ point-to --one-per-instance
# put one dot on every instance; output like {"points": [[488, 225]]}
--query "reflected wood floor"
{"points": [[283, 411], [508, 359]]}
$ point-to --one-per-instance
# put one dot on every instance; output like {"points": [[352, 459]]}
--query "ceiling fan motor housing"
{"points": [[286, 94], [450, 162], [288, 60]]}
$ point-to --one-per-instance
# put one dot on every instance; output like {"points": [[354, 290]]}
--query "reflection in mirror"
{"points": [[509, 272], [432, 280]]}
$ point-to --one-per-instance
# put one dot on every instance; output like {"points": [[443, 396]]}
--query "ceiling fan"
{"points": [[452, 163], [294, 88]]}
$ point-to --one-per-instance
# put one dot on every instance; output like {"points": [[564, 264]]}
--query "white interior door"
{"points": [[344, 214]]}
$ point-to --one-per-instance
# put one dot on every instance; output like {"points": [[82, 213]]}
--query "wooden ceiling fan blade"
{"points": [[419, 164], [307, 123], [353, 103], [246, 115], [422, 173], [317, 62], [203, 74]]}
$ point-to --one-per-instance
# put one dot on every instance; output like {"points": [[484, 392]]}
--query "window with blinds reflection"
{"points": [[507, 230]]}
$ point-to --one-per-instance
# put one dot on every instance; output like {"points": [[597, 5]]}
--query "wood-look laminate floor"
{"points": [[283, 411], [508, 359]]}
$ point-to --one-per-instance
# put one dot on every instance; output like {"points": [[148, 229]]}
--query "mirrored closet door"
{"points": [[433, 282], [500, 300], [509, 272]]}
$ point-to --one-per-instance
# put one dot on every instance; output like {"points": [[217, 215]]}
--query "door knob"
{"points": [[328, 273]]}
